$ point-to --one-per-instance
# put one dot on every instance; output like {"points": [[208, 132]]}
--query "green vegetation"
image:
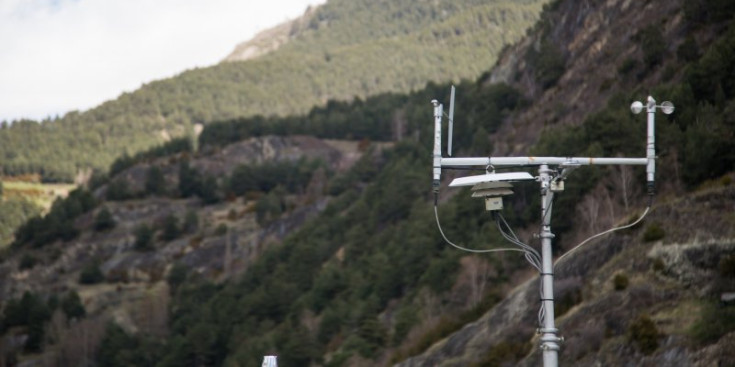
{"points": [[30, 313], [13, 213], [445, 327], [143, 238], [653, 46], [58, 224], [119, 190], [71, 305], [28, 261], [653, 232], [91, 274], [292, 176], [119, 349], [643, 332], [22, 199], [104, 220], [727, 266], [171, 229], [567, 300], [715, 320], [155, 183], [548, 63], [177, 276], [620, 282], [658, 265]]}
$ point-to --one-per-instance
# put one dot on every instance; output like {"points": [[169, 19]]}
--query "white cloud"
{"points": [[62, 55]]}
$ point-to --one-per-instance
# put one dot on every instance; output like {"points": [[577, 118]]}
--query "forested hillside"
{"points": [[342, 265], [338, 51]]}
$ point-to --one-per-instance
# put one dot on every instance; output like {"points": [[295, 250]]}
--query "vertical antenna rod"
{"points": [[438, 109], [451, 123]]}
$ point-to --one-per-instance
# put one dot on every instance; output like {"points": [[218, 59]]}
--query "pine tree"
{"points": [[104, 220]]}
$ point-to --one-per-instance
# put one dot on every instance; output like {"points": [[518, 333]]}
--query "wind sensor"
{"points": [[553, 171]]}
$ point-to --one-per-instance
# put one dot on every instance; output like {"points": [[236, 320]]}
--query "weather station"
{"points": [[552, 172]]}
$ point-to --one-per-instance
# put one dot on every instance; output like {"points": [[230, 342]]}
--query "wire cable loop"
{"points": [[575, 248], [436, 215]]}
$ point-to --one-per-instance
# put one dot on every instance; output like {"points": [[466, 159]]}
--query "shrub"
{"points": [[620, 282], [143, 238], [72, 306], [727, 266], [568, 293], [627, 66], [104, 221], [714, 321], [176, 276], [406, 318], [190, 180], [91, 274], [446, 326], [171, 228], [118, 190], [658, 265], [653, 232], [549, 63], [208, 190], [644, 334], [27, 262], [155, 182], [653, 45], [30, 311], [726, 181], [221, 230], [688, 51]]}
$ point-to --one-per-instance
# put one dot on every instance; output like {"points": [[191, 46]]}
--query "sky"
{"points": [[62, 55]]}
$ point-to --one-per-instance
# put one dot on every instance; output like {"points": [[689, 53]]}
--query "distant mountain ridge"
{"points": [[340, 50], [268, 40]]}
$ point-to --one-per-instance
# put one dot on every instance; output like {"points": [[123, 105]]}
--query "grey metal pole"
{"points": [[270, 361], [549, 332], [650, 144], [438, 110]]}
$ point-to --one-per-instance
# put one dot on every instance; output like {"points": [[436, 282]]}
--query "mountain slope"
{"points": [[340, 50], [347, 268]]}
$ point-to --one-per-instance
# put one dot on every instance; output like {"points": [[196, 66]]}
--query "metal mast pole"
{"points": [[551, 181], [651, 144], [549, 332]]}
